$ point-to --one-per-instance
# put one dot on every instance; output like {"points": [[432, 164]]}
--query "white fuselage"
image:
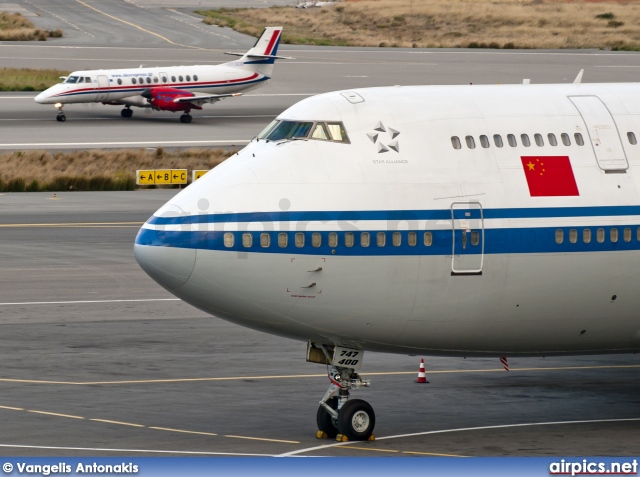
{"points": [[422, 232]]}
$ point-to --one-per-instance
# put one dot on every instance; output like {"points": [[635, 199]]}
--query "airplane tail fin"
{"points": [[262, 56]]}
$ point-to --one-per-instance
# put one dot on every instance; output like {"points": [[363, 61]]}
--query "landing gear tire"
{"points": [[324, 420], [126, 113], [61, 117], [185, 118], [356, 420]]}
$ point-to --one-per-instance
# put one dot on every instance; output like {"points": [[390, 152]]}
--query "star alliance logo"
{"points": [[380, 128]]}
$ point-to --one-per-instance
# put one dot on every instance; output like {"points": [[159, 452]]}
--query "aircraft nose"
{"points": [[162, 252], [41, 97]]}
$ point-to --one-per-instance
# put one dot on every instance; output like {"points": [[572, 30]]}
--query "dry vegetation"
{"points": [[449, 23], [15, 27], [24, 79], [95, 170]]}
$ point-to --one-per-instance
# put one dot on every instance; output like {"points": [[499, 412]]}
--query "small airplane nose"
{"points": [[41, 97], [171, 267]]}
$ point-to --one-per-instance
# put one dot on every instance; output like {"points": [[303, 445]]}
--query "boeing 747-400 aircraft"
{"points": [[174, 88], [445, 220]]}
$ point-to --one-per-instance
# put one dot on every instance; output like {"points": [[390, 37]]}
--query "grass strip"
{"points": [[27, 79], [15, 27]]}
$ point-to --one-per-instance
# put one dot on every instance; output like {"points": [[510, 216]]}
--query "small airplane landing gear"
{"points": [[126, 112], [60, 117], [185, 118], [352, 420]]}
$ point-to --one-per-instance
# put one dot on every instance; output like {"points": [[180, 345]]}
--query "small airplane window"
{"points": [[565, 139], [299, 239], [71, 80], [320, 132], [428, 239], [173, 79], [333, 239], [475, 238], [148, 80], [559, 236], [471, 143], [247, 240], [381, 239], [627, 234], [133, 81], [552, 139], [364, 239], [87, 79], [337, 132], [164, 79], [632, 138], [497, 140], [600, 235], [348, 239], [81, 79], [229, 240], [283, 240], [195, 77], [573, 235], [511, 139], [579, 140], [613, 235], [316, 239], [155, 80], [188, 78], [396, 239], [538, 139], [586, 235], [265, 240], [119, 81], [484, 141], [525, 140], [412, 239], [181, 78], [455, 142]]}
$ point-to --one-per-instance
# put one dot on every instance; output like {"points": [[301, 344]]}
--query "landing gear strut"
{"points": [[60, 117], [126, 112], [340, 417]]}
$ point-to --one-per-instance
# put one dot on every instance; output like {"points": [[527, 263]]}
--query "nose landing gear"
{"points": [[60, 117]]}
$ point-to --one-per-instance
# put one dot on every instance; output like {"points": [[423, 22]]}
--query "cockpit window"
{"points": [[324, 131], [72, 79]]}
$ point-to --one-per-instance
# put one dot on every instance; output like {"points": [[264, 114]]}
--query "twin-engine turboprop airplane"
{"points": [[175, 88], [444, 220]]}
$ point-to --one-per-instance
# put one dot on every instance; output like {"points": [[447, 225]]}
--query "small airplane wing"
{"points": [[263, 57], [204, 98]]}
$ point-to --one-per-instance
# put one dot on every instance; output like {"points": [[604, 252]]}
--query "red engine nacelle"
{"points": [[162, 99]]}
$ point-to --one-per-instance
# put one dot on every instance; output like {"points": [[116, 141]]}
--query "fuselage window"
{"points": [[525, 140], [333, 239], [511, 139], [579, 140], [600, 235], [320, 132], [627, 234], [538, 138], [573, 235], [348, 239], [455, 142], [337, 132], [173, 79], [613, 235], [381, 239], [119, 81], [484, 141], [471, 143], [164, 79], [586, 235], [365, 239], [290, 129], [559, 236], [497, 140], [247, 240], [299, 239], [133, 81], [316, 239], [188, 78], [632, 138], [428, 239], [195, 77], [565, 139], [396, 239], [155, 79], [412, 239], [81, 79], [265, 240], [475, 238], [229, 240], [552, 139], [181, 78], [283, 240], [148, 80]]}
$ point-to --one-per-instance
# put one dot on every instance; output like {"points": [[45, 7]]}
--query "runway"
{"points": [[97, 359]]}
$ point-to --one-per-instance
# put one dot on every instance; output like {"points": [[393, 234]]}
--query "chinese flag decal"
{"points": [[549, 176]]}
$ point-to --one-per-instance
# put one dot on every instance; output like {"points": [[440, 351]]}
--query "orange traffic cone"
{"points": [[422, 376]]}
